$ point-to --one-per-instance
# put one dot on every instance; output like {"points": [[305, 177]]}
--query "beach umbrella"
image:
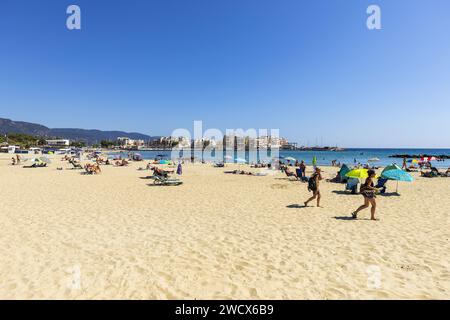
{"points": [[290, 159], [391, 167], [357, 174], [344, 170], [164, 162], [397, 175], [373, 160], [45, 159]]}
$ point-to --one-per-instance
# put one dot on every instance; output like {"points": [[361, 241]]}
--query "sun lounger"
{"points": [[36, 165], [76, 165], [158, 180]]}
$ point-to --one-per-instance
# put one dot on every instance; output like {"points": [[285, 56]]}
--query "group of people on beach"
{"points": [[368, 191]]}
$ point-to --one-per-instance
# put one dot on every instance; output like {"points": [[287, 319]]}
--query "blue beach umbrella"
{"points": [[397, 175]]}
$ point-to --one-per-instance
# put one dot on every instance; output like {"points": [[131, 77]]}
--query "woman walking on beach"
{"points": [[368, 191], [313, 185]]}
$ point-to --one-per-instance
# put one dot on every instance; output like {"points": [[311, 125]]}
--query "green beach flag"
{"points": [[314, 161]]}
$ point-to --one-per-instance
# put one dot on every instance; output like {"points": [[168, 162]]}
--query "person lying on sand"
{"points": [[241, 172], [121, 163], [161, 172], [93, 168]]}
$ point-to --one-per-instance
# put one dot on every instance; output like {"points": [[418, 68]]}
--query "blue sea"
{"points": [[349, 156]]}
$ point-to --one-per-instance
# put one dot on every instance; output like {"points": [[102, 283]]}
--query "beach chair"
{"points": [[162, 181], [37, 165], [76, 165], [352, 185], [381, 184]]}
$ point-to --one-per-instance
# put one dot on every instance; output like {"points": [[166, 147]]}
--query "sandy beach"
{"points": [[71, 236]]}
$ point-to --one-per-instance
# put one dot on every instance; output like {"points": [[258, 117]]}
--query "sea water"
{"points": [[349, 156]]}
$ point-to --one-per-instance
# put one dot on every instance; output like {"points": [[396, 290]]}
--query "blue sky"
{"points": [[309, 68]]}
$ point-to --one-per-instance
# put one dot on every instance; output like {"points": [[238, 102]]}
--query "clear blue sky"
{"points": [[310, 68]]}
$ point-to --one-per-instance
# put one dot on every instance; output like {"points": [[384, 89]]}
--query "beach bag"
{"points": [[312, 186]]}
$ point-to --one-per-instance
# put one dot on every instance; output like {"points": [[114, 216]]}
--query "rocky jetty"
{"points": [[410, 156]]}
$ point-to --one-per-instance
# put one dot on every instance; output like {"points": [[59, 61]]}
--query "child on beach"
{"points": [[368, 191], [313, 185]]}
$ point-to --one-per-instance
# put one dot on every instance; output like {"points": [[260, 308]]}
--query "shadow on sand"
{"points": [[348, 193], [390, 194], [296, 206], [349, 218]]}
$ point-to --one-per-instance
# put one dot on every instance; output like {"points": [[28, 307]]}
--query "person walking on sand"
{"points": [[404, 166], [313, 185], [368, 191]]}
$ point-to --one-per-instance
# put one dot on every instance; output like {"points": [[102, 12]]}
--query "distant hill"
{"points": [[89, 136], [9, 126]]}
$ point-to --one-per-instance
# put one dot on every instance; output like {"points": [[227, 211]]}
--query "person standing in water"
{"points": [[313, 185], [368, 191]]}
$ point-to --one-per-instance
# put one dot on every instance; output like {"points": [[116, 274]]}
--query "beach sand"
{"points": [[65, 235]]}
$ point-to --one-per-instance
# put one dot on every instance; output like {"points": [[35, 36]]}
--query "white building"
{"points": [[58, 143], [127, 142]]}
